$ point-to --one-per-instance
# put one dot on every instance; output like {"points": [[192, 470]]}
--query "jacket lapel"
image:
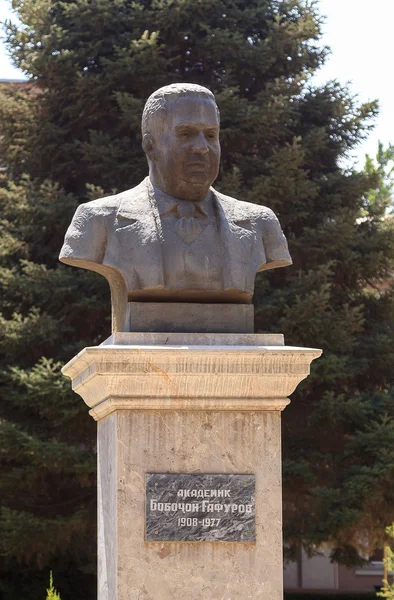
{"points": [[242, 250], [139, 234]]}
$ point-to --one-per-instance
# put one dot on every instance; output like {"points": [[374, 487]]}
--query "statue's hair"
{"points": [[160, 99]]}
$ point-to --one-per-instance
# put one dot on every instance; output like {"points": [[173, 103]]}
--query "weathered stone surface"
{"points": [[190, 441], [194, 339], [189, 317], [187, 377]]}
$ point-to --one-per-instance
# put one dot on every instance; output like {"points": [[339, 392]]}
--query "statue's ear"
{"points": [[147, 146]]}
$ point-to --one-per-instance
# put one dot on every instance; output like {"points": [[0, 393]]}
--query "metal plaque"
{"points": [[181, 507]]}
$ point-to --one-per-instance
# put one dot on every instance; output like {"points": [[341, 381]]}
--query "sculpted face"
{"points": [[184, 153]]}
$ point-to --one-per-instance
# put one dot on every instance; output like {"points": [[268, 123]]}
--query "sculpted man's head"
{"points": [[180, 136]]}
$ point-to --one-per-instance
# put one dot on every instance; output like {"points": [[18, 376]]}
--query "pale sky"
{"points": [[359, 34]]}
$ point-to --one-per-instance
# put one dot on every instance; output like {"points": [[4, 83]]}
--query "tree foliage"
{"points": [[72, 134], [338, 451]]}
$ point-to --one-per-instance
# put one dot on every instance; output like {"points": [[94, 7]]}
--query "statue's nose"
{"points": [[200, 143]]}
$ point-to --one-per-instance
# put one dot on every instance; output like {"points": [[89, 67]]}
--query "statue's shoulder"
{"points": [[102, 206], [110, 204], [239, 209]]}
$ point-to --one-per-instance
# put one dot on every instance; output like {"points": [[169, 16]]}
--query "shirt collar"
{"points": [[165, 202]]}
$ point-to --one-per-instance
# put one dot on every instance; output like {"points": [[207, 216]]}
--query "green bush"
{"points": [[387, 590], [51, 592]]}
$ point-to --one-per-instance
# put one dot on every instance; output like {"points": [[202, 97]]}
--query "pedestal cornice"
{"points": [[189, 377]]}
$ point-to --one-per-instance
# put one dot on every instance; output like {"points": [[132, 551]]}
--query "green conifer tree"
{"points": [[73, 134]]}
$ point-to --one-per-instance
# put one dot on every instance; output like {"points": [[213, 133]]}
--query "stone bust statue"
{"points": [[174, 238]]}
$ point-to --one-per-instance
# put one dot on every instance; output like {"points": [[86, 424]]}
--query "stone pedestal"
{"points": [[187, 403]]}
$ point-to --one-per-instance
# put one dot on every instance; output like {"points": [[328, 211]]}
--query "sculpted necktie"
{"points": [[189, 215], [187, 225]]}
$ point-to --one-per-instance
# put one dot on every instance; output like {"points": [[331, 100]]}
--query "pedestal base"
{"points": [[164, 406]]}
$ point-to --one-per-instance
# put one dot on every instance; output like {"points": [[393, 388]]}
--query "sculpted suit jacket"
{"points": [[120, 237]]}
